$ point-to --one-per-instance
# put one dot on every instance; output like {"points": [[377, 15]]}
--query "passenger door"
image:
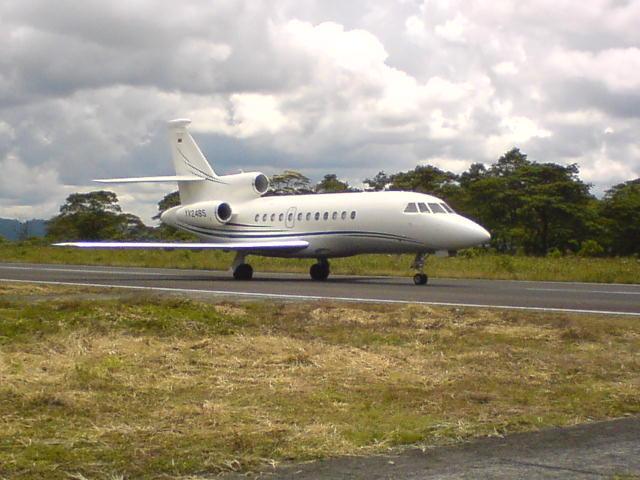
{"points": [[290, 219]]}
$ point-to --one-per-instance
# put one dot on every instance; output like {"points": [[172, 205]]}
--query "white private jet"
{"points": [[229, 212]]}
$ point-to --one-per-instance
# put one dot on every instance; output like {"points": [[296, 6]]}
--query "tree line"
{"points": [[529, 207]]}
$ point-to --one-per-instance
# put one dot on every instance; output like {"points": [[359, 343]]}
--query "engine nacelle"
{"points": [[204, 214], [244, 186]]}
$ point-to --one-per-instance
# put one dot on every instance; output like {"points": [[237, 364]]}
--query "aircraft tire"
{"points": [[319, 272], [244, 271], [420, 279]]}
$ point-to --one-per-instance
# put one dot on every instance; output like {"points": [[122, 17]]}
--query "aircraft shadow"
{"points": [[170, 279]]}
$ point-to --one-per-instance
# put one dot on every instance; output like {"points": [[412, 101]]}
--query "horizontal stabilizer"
{"points": [[169, 178], [244, 246]]}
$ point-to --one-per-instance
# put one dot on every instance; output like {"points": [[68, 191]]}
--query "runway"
{"points": [[609, 299]]}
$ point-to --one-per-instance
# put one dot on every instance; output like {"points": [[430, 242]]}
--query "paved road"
{"points": [[572, 297], [603, 450]]}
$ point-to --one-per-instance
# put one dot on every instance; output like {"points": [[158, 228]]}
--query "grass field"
{"points": [[604, 270], [121, 387]]}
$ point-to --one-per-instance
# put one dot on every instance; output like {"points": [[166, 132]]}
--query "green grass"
{"points": [[570, 268], [147, 387]]}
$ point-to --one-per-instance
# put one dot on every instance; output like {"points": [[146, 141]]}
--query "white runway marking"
{"points": [[318, 297], [575, 290]]}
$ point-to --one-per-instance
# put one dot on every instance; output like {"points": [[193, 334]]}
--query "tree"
{"points": [[555, 209], [167, 232], [331, 184], [290, 182], [533, 206], [621, 213], [379, 182], [423, 179], [510, 162], [94, 216], [477, 171], [170, 200]]}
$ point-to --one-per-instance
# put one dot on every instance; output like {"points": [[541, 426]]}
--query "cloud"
{"points": [[616, 68], [323, 87]]}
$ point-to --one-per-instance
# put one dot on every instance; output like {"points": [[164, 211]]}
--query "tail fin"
{"points": [[188, 161]]}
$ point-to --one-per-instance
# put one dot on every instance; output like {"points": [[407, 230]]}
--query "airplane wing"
{"points": [[171, 178], [292, 245]]}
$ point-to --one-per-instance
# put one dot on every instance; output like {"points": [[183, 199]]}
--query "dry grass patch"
{"points": [[147, 387]]}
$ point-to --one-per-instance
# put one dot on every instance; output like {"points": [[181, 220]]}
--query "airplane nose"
{"points": [[475, 234], [484, 234]]}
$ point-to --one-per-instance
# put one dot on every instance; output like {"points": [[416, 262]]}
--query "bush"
{"points": [[554, 253], [469, 253], [590, 248]]}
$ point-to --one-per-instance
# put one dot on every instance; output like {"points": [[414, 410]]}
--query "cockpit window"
{"points": [[447, 208], [411, 208], [437, 208], [423, 208]]}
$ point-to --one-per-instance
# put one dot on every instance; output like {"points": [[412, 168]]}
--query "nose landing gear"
{"points": [[420, 278], [320, 271]]}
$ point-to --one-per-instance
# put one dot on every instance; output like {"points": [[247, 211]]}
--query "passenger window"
{"points": [[308, 217], [317, 216], [264, 217], [411, 208], [353, 215], [334, 216], [257, 219], [290, 217], [436, 208], [281, 217], [325, 216], [299, 216], [273, 217], [423, 208], [447, 208], [343, 216]]}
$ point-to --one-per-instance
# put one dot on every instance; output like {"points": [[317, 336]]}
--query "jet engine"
{"points": [[204, 214], [244, 186]]}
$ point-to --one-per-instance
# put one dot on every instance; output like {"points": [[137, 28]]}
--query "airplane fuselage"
{"points": [[337, 225]]}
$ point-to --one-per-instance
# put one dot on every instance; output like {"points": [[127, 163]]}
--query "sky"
{"points": [[326, 86]]}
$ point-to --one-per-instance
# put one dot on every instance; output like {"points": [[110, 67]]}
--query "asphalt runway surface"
{"points": [[593, 298], [603, 450]]}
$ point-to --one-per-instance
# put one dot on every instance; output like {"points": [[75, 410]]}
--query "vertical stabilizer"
{"points": [[189, 160]]}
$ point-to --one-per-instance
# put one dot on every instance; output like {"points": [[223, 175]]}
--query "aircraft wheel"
{"points": [[319, 272], [244, 271], [420, 278]]}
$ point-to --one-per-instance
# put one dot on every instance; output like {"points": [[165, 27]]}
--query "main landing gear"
{"points": [[241, 270], [420, 278], [320, 271]]}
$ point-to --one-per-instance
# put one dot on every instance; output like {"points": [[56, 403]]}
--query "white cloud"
{"points": [[617, 68], [256, 114], [453, 30], [347, 88], [505, 68]]}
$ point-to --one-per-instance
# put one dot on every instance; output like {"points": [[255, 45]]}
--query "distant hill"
{"points": [[17, 230]]}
